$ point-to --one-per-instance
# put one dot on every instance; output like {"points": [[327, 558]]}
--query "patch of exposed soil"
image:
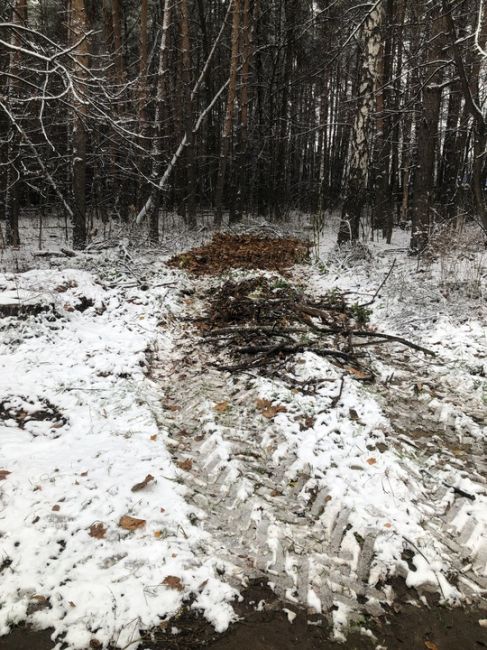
{"points": [[265, 625], [226, 251]]}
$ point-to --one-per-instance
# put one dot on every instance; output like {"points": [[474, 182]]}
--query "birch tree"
{"points": [[355, 196]]}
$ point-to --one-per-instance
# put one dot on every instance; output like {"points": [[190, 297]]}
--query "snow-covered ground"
{"points": [[79, 428], [101, 417]]}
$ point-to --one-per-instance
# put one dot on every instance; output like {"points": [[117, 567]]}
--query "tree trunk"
{"points": [[242, 156], [228, 124], [157, 148], [187, 111], [14, 173], [78, 30], [359, 150], [427, 135]]}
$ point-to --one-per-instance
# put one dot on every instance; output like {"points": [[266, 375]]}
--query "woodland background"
{"points": [[115, 109]]}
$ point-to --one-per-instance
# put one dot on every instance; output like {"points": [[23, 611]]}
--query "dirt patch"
{"points": [[265, 625], [227, 251]]}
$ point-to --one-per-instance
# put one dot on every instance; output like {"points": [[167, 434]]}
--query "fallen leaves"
{"points": [[97, 530], [268, 410], [361, 375], [173, 582], [140, 486], [227, 251], [430, 645], [127, 522], [221, 407], [185, 465], [170, 406], [3, 474], [371, 461], [56, 508]]}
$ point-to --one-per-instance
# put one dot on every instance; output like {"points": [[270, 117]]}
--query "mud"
{"points": [[264, 625]]}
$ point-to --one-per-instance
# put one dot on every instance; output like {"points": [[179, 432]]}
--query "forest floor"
{"points": [[168, 478]]}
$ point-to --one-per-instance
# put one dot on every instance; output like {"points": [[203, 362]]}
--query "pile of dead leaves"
{"points": [[261, 321], [227, 251]]}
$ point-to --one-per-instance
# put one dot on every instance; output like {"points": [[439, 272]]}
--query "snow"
{"points": [[84, 365], [89, 368]]}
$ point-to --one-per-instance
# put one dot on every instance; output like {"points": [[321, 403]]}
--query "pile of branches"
{"points": [[261, 322]]}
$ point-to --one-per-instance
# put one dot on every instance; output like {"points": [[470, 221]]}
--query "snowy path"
{"points": [[327, 501]]}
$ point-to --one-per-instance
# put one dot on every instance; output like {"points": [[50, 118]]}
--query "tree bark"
{"points": [[427, 134], [228, 123], [187, 112], [359, 150], [78, 30], [14, 174]]}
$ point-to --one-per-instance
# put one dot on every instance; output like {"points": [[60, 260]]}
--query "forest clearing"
{"points": [[243, 324], [155, 465]]}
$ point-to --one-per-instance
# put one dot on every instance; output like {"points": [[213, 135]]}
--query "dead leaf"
{"points": [[158, 534], [97, 530], [154, 437], [71, 604], [353, 415], [430, 645], [84, 474], [309, 422], [221, 407], [357, 373], [131, 523], [56, 508], [170, 406], [143, 484], [267, 410], [371, 461], [388, 525], [3, 474], [173, 582], [39, 599], [186, 465]]}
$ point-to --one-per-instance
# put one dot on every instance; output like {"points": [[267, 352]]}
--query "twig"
{"points": [[370, 302], [338, 397], [397, 339]]}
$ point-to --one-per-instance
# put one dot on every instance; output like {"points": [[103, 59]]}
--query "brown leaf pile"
{"points": [[227, 251]]}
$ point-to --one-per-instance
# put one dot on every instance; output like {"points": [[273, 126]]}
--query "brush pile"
{"points": [[261, 322]]}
